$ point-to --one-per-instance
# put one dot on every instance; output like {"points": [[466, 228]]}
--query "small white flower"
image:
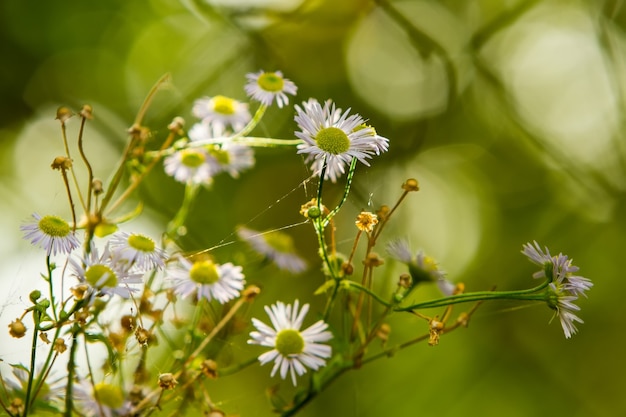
{"points": [[207, 280], [562, 301], [222, 112], [267, 86], [293, 351], [191, 165], [275, 246], [104, 275], [51, 233], [137, 251], [335, 138], [538, 257], [206, 133]]}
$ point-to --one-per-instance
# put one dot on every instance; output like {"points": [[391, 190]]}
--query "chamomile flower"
{"points": [[267, 86], [137, 250], [51, 233], [102, 274], [334, 138], [222, 112], [207, 280], [293, 351], [275, 246], [192, 166]]}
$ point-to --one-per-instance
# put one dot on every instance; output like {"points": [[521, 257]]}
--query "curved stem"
{"points": [[33, 357]]}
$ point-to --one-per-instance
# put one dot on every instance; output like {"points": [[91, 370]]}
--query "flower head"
{"points": [[334, 138], [222, 112], [137, 250], [191, 165], [267, 86], [207, 280], [102, 399], [564, 287], [275, 246], [103, 274], [421, 267], [232, 158], [51, 233], [293, 351]]}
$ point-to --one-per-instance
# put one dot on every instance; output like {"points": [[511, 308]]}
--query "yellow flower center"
{"points": [[141, 243], [333, 140], [191, 158], [280, 242], [271, 82], [289, 342], [223, 105], [54, 226], [109, 395], [95, 273], [204, 272]]}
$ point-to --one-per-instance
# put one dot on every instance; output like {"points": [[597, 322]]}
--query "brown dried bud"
{"points": [[17, 329], [251, 292], [366, 221], [411, 185], [59, 345], [79, 291], [347, 268], [373, 260], [135, 395], [143, 336], [64, 114], [167, 381], [44, 338], [87, 112], [61, 163], [177, 125], [383, 332], [405, 281], [128, 322], [209, 368], [383, 212], [97, 186], [16, 407]]}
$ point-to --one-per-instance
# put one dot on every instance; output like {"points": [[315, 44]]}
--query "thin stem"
{"points": [[252, 123], [67, 153], [83, 120], [191, 191], [165, 78], [51, 287], [33, 357], [256, 142], [69, 395], [346, 191]]}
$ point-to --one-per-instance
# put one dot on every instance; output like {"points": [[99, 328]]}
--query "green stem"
{"points": [[252, 123], [238, 367], [33, 357], [51, 287], [191, 191], [525, 295], [346, 191], [69, 395], [255, 142]]}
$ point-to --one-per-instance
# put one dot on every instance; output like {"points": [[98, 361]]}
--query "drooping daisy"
{"points": [[233, 158], [267, 86], [422, 267], [51, 233], [275, 246], [334, 138], [102, 274], [564, 288], [137, 250], [191, 165], [222, 112], [293, 351], [207, 280]]}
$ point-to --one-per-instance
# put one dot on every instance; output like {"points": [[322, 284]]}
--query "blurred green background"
{"points": [[509, 113]]}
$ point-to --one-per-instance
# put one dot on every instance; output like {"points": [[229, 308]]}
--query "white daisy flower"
{"points": [[103, 275], [207, 280], [293, 351], [137, 250], [222, 112], [335, 138], [51, 233], [275, 246], [233, 158], [267, 86], [191, 165], [205, 132], [538, 257], [562, 301]]}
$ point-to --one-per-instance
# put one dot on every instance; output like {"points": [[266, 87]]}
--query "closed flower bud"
{"points": [[17, 329]]}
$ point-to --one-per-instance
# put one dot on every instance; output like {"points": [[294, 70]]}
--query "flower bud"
{"points": [[17, 329]]}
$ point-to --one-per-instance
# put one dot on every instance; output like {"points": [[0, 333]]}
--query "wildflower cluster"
{"points": [[130, 292]]}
